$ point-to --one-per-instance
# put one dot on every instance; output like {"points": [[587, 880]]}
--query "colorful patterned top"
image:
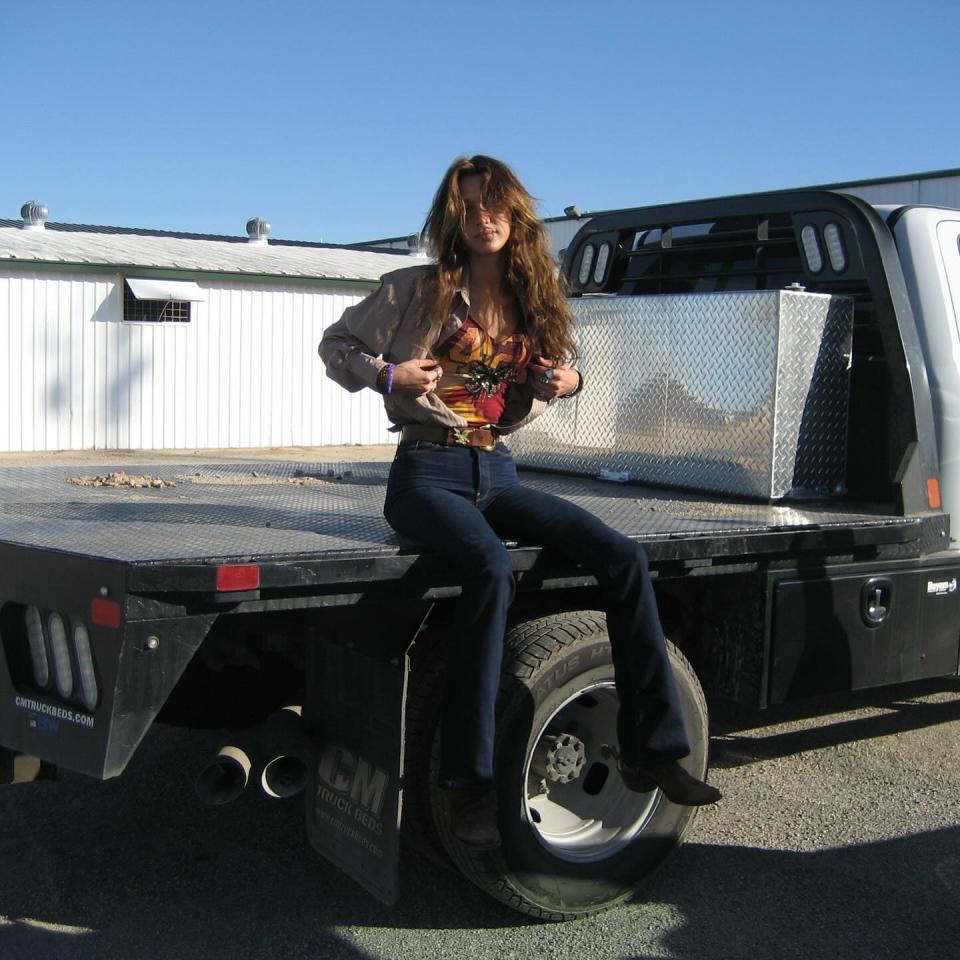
{"points": [[477, 371]]}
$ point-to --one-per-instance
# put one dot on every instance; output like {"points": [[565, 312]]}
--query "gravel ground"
{"points": [[839, 837]]}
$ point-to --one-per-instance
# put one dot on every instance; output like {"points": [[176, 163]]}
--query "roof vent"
{"points": [[258, 230], [34, 215]]}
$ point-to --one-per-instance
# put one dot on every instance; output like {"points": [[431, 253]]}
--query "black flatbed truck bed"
{"points": [[324, 554], [317, 526]]}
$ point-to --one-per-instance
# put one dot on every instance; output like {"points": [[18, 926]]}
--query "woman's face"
{"points": [[486, 230]]}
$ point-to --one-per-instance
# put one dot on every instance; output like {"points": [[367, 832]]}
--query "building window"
{"points": [[159, 301], [153, 311]]}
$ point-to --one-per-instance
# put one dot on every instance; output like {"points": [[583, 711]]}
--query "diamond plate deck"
{"points": [[734, 393], [325, 508]]}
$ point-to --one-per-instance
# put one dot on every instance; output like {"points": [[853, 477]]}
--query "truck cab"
{"points": [[928, 241]]}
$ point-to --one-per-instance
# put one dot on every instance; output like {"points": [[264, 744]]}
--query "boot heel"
{"points": [[633, 780]]}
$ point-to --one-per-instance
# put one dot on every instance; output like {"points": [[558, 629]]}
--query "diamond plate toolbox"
{"points": [[742, 393]]}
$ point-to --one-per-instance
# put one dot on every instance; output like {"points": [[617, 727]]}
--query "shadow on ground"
{"points": [[903, 709], [873, 901]]}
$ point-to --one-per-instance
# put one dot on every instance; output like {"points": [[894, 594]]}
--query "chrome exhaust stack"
{"points": [[279, 747], [285, 773], [224, 778]]}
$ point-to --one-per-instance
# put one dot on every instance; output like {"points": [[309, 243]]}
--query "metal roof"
{"points": [[121, 247]]}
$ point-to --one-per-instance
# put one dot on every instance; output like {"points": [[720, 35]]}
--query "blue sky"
{"points": [[335, 121]]}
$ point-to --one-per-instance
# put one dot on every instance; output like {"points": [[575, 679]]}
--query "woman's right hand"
{"points": [[416, 377]]}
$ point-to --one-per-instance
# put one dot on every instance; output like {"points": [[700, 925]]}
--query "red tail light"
{"points": [[238, 576], [105, 613]]}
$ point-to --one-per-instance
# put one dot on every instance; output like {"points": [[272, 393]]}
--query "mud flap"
{"points": [[354, 797]]}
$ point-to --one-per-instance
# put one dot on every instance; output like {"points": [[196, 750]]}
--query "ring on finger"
{"points": [[547, 375]]}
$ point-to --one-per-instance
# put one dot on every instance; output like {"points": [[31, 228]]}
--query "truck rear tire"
{"points": [[575, 840]]}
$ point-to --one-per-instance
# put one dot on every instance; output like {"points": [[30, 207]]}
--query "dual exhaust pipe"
{"points": [[277, 750]]}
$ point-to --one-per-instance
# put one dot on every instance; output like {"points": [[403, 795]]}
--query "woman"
{"points": [[466, 350]]}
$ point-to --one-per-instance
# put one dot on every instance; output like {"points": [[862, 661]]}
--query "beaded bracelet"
{"points": [[385, 378]]}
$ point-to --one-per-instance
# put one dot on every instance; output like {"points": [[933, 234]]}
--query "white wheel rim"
{"points": [[595, 816]]}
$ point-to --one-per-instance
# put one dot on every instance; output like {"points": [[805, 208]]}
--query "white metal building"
{"points": [[939, 188], [115, 339]]}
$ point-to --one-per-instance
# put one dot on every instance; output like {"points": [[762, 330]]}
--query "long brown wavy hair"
{"points": [[530, 270]]}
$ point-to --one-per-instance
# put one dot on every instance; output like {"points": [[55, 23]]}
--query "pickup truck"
{"points": [[272, 600]]}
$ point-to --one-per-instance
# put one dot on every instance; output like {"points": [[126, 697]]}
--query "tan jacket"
{"points": [[389, 327]]}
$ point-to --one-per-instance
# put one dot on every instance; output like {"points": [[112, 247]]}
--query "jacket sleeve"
{"points": [[350, 348]]}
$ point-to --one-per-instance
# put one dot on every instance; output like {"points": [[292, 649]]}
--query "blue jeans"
{"points": [[462, 502]]}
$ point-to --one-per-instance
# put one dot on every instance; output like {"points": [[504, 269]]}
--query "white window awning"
{"points": [[154, 289]]}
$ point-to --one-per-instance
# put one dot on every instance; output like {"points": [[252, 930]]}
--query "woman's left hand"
{"points": [[551, 380]]}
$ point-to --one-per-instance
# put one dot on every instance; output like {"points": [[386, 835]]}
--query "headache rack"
{"points": [[817, 240]]}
